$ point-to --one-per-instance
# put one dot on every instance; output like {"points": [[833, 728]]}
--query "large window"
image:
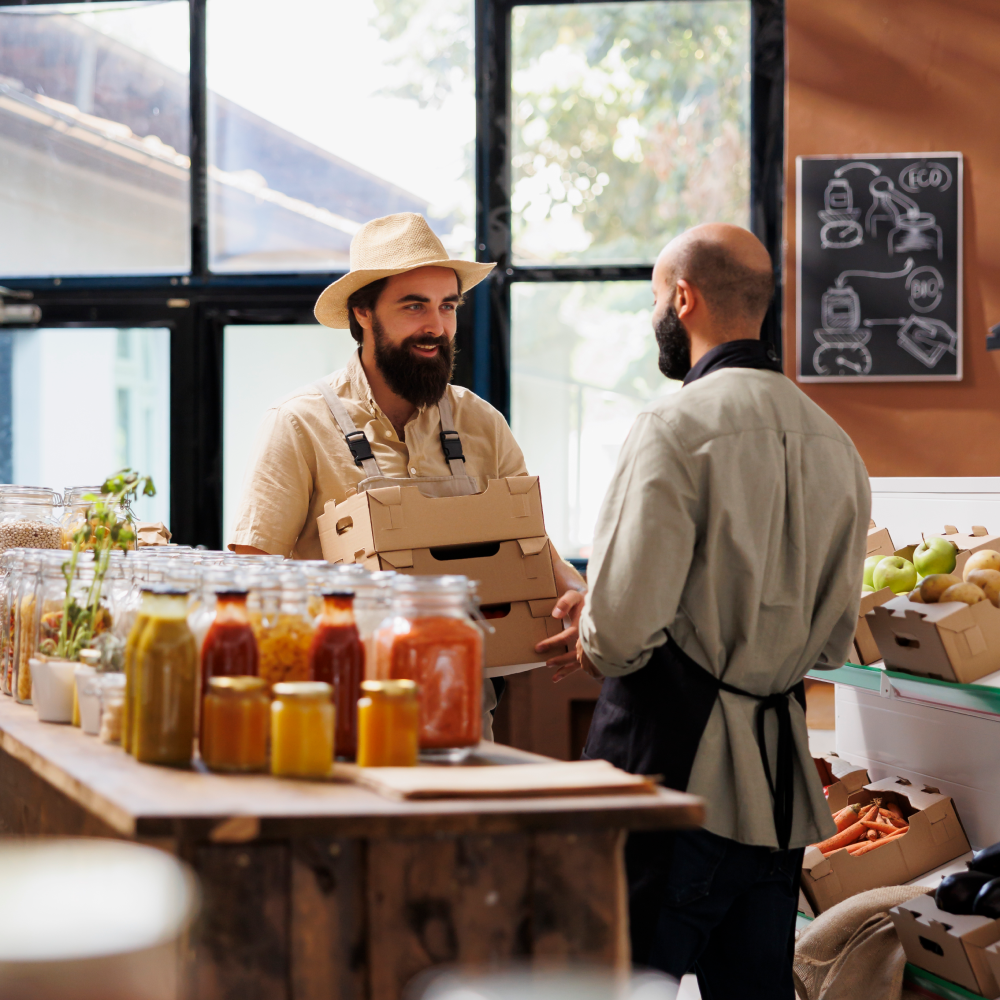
{"points": [[180, 179]]}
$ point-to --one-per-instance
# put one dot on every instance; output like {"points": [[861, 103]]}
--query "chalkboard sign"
{"points": [[879, 255]]}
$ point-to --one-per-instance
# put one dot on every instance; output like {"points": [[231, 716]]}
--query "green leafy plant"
{"points": [[108, 526]]}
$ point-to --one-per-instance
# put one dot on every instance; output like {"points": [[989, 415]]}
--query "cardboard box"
{"points": [[934, 838], [978, 538], [515, 570], [879, 542], [864, 642], [956, 947], [396, 518], [850, 779], [517, 628], [951, 642]]}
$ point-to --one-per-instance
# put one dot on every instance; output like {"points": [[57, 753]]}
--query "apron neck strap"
{"points": [[451, 443], [360, 446]]}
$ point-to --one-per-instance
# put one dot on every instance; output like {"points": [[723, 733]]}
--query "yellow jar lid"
{"points": [[236, 685], [303, 689], [391, 689]]}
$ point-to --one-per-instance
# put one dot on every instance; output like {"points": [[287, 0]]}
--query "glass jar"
{"points": [[317, 573], [388, 724], [430, 638], [76, 510], [112, 707], [25, 625], [284, 638], [164, 679], [230, 647], [88, 610], [235, 724], [337, 658], [29, 521], [372, 602], [10, 566], [302, 729]]}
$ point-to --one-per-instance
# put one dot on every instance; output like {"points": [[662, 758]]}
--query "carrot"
{"points": [[865, 848], [872, 835], [846, 817], [898, 823], [842, 839], [887, 828], [896, 812]]}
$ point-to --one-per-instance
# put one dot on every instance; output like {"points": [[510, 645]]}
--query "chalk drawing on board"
{"points": [[926, 338], [840, 314], [841, 229], [922, 175], [913, 230], [925, 286]]}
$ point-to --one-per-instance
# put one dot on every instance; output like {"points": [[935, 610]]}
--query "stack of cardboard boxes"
{"points": [[496, 537]]}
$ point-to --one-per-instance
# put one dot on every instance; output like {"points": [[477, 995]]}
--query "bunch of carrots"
{"points": [[861, 829]]}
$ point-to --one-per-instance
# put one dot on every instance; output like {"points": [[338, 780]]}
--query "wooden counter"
{"points": [[326, 890]]}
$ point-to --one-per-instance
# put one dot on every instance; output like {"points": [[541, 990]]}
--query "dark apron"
{"points": [[651, 722]]}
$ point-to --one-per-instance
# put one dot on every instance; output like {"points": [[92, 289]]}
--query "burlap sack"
{"points": [[852, 950]]}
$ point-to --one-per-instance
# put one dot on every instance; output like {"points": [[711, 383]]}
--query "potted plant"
{"points": [[77, 624]]}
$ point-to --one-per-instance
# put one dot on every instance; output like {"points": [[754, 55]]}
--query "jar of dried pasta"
{"points": [[285, 636]]}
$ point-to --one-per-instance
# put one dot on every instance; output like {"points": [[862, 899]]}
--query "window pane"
{"points": [[332, 113], [77, 405], [631, 122], [263, 364], [94, 139], [584, 364]]}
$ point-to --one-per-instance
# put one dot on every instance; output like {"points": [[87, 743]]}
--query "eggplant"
{"points": [[988, 901], [987, 860], [957, 893]]}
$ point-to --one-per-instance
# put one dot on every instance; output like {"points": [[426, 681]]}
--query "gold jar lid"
{"points": [[303, 689], [391, 689], [236, 685]]}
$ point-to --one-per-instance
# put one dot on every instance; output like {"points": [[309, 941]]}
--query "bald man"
{"points": [[727, 563]]}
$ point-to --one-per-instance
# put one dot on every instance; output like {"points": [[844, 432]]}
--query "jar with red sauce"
{"points": [[337, 657], [230, 647], [429, 637]]}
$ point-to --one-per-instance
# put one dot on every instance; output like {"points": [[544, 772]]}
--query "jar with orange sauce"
{"points": [[235, 724], [388, 724], [302, 724], [430, 638]]}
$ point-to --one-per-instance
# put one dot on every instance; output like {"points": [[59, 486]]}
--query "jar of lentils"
{"points": [[28, 519]]}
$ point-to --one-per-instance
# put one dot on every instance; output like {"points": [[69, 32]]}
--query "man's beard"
{"points": [[674, 343], [420, 381]]}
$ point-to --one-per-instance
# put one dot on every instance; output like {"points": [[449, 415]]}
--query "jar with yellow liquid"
{"points": [[388, 724], [235, 719], [302, 723]]}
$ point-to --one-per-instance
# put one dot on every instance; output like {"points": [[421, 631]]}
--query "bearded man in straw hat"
{"points": [[392, 413]]}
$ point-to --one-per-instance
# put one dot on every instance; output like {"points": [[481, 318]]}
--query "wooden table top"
{"points": [[143, 800]]}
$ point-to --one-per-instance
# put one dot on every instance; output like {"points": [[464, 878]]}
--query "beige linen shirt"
{"points": [[737, 519], [301, 459]]}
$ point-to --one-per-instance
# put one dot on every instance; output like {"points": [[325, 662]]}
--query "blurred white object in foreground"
{"points": [[577, 983], [86, 919]]}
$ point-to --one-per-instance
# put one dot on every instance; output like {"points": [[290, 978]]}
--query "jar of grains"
{"points": [[284, 638], [10, 564], [25, 599], [28, 519]]}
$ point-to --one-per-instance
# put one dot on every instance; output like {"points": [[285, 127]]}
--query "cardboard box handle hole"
{"points": [[479, 550], [931, 946], [908, 641], [345, 524], [492, 611]]}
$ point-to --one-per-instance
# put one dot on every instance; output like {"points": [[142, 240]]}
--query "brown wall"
{"points": [[885, 76]]}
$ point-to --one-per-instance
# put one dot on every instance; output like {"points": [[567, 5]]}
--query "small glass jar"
{"points": [[372, 602], [302, 729], [25, 624], [83, 597], [29, 520], [337, 658], [429, 637], [112, 707], [230, 647], [10, 567], [164, 679], [317, 573], [284, 639], [76, 509], [235, 724], [388, 724]]}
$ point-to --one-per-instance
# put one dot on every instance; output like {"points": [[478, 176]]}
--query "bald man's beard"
{"points": [[674, 344], [420, 381]]}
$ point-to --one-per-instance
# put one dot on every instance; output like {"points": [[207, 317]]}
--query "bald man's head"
{"points": [[728, 265]]}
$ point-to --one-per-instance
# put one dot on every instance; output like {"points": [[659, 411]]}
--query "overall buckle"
{"points": [[451, 445], [360, 447]]}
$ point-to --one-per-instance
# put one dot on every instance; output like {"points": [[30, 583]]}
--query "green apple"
{"points": [[896, 573], [870, 563], [935, 555], [867, 590]]}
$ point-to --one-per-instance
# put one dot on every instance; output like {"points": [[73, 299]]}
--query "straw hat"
{"points": [[388, 246]]}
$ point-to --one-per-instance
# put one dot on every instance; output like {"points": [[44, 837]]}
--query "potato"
{"points": [[967, 593], [932, 587], [914, 595], [983, 559], [988, 580]]}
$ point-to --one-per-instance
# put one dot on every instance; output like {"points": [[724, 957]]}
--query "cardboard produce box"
{"points": [[951, 642], [879, 542], [864, 642], [849, 779], [956, 947], [396, 518], [934, 838], [518, 626], [978, 538], [515, 570]]}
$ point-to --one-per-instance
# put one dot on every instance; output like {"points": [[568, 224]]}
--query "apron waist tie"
{"points": [[782, 785]]}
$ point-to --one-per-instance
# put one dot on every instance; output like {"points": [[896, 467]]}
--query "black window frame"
{"points": [[196, 306]]}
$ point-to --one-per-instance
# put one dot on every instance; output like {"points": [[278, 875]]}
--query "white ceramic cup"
{"points": [[52, 689]]}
